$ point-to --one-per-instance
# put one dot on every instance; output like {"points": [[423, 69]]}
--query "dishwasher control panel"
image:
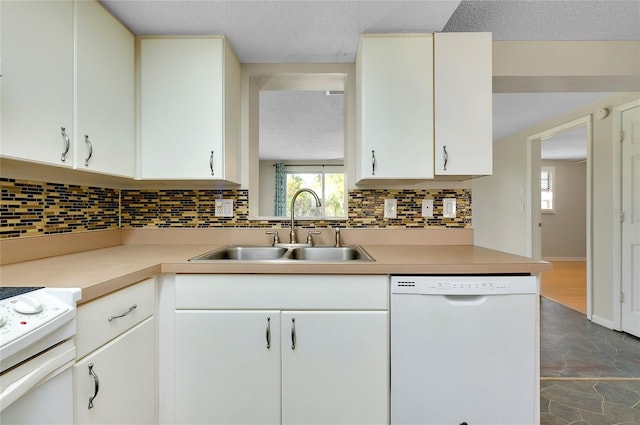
{"points": [[463, 285]]}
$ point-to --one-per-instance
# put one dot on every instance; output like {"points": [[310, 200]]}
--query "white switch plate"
{"points": [[390, 208], [449, 207], [427, 207], [224, 208]]}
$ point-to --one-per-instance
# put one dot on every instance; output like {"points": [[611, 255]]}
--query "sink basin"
{"points": [[248, 253], [286, 252], [330, 254]]}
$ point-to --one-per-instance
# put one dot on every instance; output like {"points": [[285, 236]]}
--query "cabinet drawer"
{"points": [[301, 292], [105, 318]]}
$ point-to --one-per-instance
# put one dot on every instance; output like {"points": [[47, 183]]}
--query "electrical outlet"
{"points": [[449, 207], [224, 208], [390, 208], [427, 207]]}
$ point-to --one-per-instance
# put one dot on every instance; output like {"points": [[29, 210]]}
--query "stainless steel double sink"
{"points": [[285, 252]]}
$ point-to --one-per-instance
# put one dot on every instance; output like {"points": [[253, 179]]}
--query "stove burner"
{"points": [[13, 291]]}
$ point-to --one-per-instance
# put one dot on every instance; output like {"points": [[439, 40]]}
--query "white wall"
{"points": [[564, 231], [507, 229]]}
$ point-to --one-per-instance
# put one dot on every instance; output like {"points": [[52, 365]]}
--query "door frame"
{"points": [[617, 211], [534, 219]]}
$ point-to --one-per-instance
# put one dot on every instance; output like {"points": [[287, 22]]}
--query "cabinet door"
{"points": [[396, 107], [338, 369], [37, 80], [181, 89], [463, 99], [105, 98], [125, 371], [227, 367]]}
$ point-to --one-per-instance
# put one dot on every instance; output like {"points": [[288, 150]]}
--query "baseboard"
{"points": [[564, 258], [602, 321]]}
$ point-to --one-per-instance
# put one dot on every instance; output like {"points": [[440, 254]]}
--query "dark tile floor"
{"points": [[590, 375]]}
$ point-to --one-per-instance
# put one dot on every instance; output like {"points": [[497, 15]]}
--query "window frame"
{"points": [[551, 189], [322, 170]]}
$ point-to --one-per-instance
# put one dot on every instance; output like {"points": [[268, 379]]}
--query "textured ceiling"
{"points": [[549, 20], [290, 31], [284, 31]]}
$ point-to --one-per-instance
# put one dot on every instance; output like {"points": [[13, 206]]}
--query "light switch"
{"points": [[449, 207], [224, 208], [427, 207], [390, 208]]}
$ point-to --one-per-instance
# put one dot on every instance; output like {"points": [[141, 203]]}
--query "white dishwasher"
{"points": [[464, 349]]}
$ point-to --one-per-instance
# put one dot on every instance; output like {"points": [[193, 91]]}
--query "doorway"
{"points": [[561, 211], [563, 186]]}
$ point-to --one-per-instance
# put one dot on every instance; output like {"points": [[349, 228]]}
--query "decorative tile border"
{"points": [[30, 208]]}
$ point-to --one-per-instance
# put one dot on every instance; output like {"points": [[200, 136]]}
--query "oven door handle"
{"points": [[40, 374]]}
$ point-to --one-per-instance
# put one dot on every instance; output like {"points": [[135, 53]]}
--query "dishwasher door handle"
{"points": [[465, 300]]}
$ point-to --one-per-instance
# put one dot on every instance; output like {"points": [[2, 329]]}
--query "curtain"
{"points": [[280, 200]]}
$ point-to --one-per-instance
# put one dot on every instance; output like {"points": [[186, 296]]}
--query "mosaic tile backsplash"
{"points": [[29, 208]]}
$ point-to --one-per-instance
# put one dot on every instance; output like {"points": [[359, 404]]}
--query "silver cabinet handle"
{"points": [[90, 153], [268, 332], [117, 316], [293, 333], [373, 163], [96, 385], [67, 144], [446, 157], [211, 163]]}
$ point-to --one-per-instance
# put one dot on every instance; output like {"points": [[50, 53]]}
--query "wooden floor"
{"points": [[567, 284]]}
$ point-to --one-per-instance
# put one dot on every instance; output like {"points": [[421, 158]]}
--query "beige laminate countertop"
{"points": [[101, 271]]}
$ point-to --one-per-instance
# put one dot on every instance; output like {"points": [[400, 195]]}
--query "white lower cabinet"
{"points": [[116, 383], [334, 367], [226, 372], [320, 363], [115, 373]]}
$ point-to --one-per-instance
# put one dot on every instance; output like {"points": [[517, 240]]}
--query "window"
{"points": [[327, 182], [547, 177]]}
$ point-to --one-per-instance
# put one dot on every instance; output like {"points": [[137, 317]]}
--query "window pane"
{"points": [[305, 204], [333, 200], [334, 194]]}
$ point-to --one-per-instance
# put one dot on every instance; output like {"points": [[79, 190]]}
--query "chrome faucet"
{"points": [[292, 234]]}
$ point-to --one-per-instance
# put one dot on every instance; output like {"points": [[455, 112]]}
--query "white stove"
{"points": [[34, 319], [37, 352]]}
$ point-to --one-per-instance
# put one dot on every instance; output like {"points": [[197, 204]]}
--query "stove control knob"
{"points": [[3, 320], [28, 305]]}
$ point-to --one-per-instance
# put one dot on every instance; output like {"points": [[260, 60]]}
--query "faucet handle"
{"points": [[276, 237], [310, 237]]}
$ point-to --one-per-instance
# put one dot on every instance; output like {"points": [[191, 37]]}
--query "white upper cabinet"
{"points": [[52, 98], [423, 99], [395, 107], [189, 109], [105, 92], [463, 104], [37, 81]]}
